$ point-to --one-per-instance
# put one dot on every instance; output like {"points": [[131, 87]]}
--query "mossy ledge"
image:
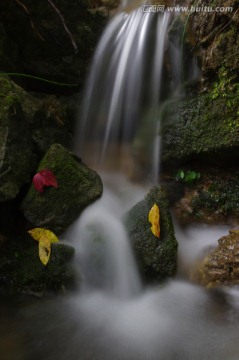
{"points": [[202, 129]]}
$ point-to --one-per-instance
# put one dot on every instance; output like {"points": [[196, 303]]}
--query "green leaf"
{"points": [[180, 175], [190, 176]]}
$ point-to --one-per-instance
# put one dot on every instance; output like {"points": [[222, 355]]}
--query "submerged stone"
{"points": [[221, 266], [78, 186], [157, 257]]}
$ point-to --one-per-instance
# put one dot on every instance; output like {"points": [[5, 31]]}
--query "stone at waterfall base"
{"points": [[221, 266], [157, 257], [21, 270]]}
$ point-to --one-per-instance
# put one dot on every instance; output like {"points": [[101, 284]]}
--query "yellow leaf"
{"points": [[44, 251], [154, 219], [40, 234], [45, 238]]}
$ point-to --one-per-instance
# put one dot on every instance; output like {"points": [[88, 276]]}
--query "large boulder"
{"points": [[22, 271], [78, 186], [221, 266], [157, 257]]}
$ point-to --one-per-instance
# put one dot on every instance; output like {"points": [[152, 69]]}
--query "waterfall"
{"points": [[104, 254], [120, 124], [122, 98]]}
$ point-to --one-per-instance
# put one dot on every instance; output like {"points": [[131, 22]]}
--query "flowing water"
{"points": [[114, 316], [123, 91]]}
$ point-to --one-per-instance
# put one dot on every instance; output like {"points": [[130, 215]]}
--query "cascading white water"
{"points": [[120, 107], [121, 104], [120, 120], [103, 252]]}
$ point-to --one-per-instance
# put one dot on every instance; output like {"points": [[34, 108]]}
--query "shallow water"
{"points": [[177, 321]]}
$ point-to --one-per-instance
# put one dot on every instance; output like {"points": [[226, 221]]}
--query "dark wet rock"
{"points": [[203, 129], [52, 122], [22, 271], [57, 208], [15, 142], [28, 127], [212, 199], [216, 39], [157, 257], [221, 266]]}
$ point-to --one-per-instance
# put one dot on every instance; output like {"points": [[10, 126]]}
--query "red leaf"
{"points": [[43, 178]]}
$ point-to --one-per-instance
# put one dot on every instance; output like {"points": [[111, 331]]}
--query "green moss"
{"points": [[226, 88], [8, 94], [201, 128]]}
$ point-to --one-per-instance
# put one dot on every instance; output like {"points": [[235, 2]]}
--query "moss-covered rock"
{"points": [[22, 271], [212, 198], [28, 126], [78, 186], [157, 257], [221, 266], [202, 128], [15, 142], [216, 38]]}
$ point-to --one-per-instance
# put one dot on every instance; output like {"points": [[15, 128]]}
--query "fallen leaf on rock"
{"points": [[43, 178], [44, 251], [45, 238], [154, 219]]}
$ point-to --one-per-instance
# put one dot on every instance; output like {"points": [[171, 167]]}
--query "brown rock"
{"points": [[221, 266]]}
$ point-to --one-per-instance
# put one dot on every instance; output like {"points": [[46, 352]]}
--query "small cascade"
{"points": [[105, 257]]}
